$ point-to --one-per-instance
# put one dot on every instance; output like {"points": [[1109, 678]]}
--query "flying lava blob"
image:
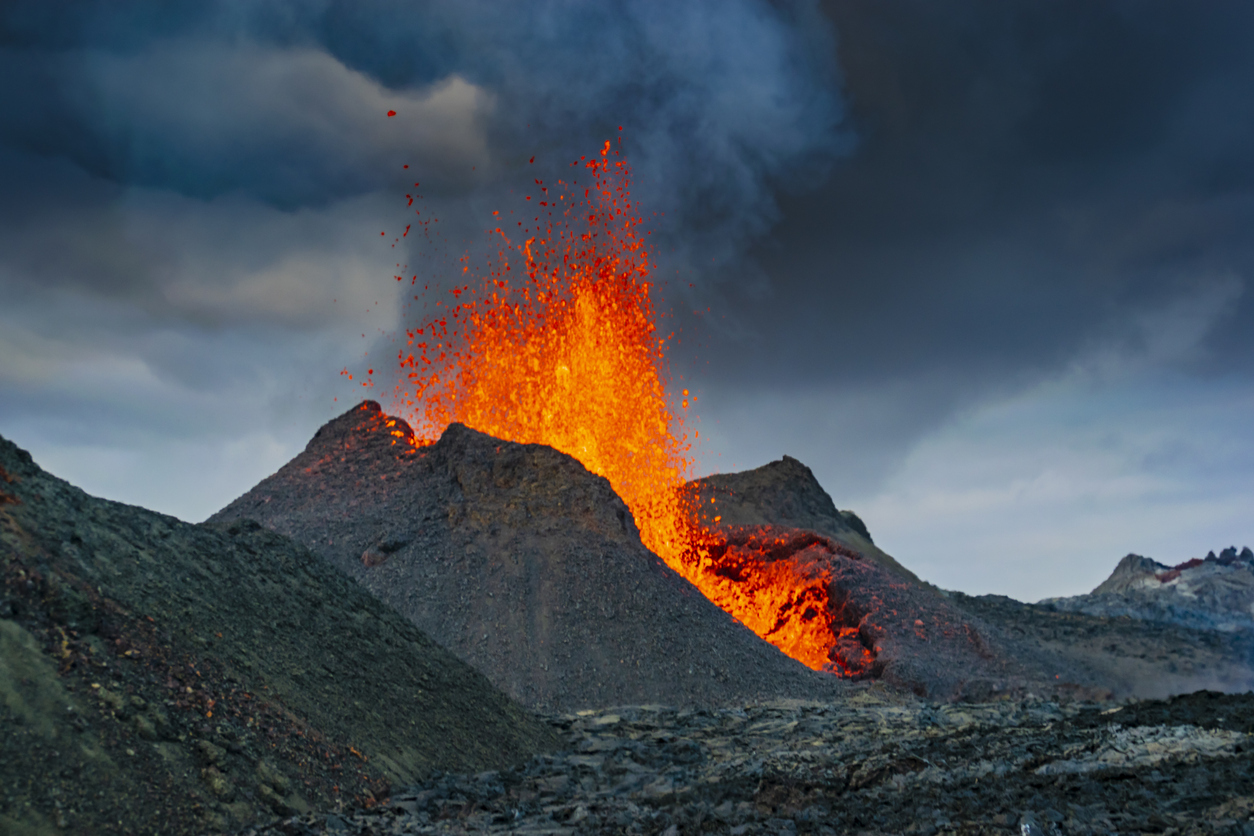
{"points": [[557, 343]]}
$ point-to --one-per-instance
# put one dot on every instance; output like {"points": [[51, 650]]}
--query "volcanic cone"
{"points": [[521, 562]]}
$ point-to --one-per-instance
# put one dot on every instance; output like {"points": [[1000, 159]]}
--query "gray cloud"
{"points": [[966, 261], [190, 244], [114, 115], [275, 100], [289, 126], [1030, 178], [1010, 327]]}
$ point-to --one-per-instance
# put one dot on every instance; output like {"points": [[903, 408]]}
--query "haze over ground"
{"points": [[985, 268]]}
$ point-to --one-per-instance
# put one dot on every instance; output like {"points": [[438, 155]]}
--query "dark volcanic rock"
{"points": [[869, 764], [913, 635], [1149, 631], [786, 494], [521, 562], [888, 628], [160, 677]]}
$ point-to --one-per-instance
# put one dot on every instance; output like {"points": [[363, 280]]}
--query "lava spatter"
{"points": [[558, 343]]}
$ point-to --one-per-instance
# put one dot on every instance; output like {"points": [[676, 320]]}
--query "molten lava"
{"points": [[558, 344], [778, 583]]}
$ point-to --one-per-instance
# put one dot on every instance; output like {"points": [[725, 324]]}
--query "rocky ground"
{"points": [[164, 678], [873, 763], [1130, 657]]}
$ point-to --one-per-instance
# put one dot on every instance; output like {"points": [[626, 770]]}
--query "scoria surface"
{"points": [[871, 764]]}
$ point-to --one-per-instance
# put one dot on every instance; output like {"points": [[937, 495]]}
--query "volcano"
{"points": [[521, 562], [529, 567]]}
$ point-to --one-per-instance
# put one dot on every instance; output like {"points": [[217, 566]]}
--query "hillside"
{"points": [[521, 562], [160, 677], [530, 568]]}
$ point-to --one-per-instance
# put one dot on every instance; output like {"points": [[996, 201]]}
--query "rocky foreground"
{"points": [[164, 678], [874, 763]]}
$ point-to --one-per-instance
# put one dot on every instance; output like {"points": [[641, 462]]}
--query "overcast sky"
{"points": [[983, 265]]}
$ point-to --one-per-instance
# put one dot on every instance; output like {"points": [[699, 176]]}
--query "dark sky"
{"points": [[982, 265]]}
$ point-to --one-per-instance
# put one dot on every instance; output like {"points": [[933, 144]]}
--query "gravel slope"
{"points": [[785, 493], [160, 677]]}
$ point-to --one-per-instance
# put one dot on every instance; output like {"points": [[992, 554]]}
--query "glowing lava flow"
{"points": [[558, 345]]}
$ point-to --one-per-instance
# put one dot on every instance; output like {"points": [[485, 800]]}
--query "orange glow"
{"points": [[557, 344], [779, 585]]}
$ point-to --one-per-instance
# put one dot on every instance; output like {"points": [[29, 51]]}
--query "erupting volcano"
{"points": [[558, 344]]}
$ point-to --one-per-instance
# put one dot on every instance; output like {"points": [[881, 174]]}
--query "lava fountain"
{"points": [[557, 343]]}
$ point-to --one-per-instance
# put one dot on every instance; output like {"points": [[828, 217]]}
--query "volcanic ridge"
{"points": [[521, 562], [530, 568], [1215, 592]]}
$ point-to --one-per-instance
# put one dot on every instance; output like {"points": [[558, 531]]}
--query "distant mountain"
{"points": [[158, 677], [1211, 593]]}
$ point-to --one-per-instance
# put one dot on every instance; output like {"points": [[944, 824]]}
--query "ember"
{"points": [[558, 344]]}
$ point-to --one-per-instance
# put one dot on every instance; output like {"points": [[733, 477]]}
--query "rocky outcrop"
{"points": [[160, 677], [521, 562], [1211, 593], [1133, 572]]}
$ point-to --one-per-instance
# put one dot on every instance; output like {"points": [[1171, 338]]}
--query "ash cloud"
{"points": [[275, 101], [194, 193], [1010, 327], [282, 105], [1032, 184], [1031, 180], [909, 224]]}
